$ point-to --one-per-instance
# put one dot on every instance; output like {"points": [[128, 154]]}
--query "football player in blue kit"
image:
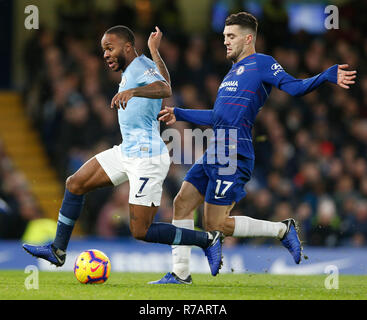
{"points": [[142, 158], [242, 93]]}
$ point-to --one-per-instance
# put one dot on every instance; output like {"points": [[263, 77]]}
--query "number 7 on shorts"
{"points": [[145, 180]]}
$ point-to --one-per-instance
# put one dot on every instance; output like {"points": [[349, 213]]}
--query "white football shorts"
{"points": [[145, 175]]}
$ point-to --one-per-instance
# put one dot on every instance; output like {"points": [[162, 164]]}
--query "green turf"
{"points": [[133, 286]]}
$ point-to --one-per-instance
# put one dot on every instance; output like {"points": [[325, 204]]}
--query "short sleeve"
{"points": [[147, 74]]}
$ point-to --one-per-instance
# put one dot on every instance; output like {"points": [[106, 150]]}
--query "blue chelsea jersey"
{"points": [[242, 93], [138, 122]]}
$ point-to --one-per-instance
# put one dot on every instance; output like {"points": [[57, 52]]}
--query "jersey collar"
{"points": [[243, 60]]}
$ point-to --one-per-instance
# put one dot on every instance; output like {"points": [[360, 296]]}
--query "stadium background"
{"points": [[310, 151]]}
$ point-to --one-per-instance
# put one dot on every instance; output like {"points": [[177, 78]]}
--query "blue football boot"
{"points": [[172, 278], [291, 241], [47, 252], [214, 252]]}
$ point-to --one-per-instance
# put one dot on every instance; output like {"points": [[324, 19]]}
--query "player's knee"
{"points": [[74, 186], [138, 233], [180, 205], [177, 201]]}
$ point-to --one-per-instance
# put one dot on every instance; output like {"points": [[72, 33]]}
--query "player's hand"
{"points": [[345, 77], [167, 115], [121, 99], [154, 40]]}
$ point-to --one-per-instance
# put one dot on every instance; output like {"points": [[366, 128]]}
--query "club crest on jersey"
{"points": [[123, 82], [240, 70]]}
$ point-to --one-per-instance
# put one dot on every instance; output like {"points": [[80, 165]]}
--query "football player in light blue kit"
{"points": [[142, 158]]}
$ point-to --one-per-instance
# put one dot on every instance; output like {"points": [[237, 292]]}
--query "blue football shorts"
{"points": [[218, 187]]}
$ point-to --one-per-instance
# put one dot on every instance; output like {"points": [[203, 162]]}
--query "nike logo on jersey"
{"points": [[139, 196]]}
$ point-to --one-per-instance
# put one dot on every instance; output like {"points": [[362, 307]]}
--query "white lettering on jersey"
{"points": [[230, 85], [277, 67], [151, 72]]}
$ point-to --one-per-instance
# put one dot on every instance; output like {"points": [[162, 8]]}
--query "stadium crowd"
{"points": [[310, 151], [18, 206]]}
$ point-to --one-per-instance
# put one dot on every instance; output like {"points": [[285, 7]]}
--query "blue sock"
{"points": [[71, 208], [167, 233]]}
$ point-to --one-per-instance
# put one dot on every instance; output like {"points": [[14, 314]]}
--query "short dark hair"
{"points": [[122, 32], [243, 19]]}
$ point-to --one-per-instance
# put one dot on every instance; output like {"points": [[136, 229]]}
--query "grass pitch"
{"points": [[133, 286]]}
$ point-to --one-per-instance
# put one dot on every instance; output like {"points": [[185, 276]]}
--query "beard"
{"points": [[121, 61], [233, 56]]}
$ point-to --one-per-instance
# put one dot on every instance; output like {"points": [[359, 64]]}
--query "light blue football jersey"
{"points": [[138, 122]]}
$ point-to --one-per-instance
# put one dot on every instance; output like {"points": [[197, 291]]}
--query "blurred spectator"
{"points": [[195, 67], [77, 134], [275, 22], [303, 216], [123, 13], [357, 224], [17, 204], [168, 16], [325, 229], [113, 219], [262, 205]]}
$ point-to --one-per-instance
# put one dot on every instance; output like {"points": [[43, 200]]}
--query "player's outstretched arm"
{"points": [[201, 117], [335, 74], [272, 73], [154, 42]]}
